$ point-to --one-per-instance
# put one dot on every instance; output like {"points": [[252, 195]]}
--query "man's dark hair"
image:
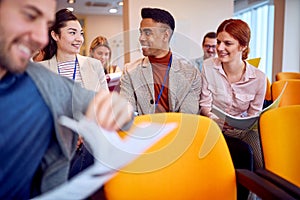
{"points": [[159, 15], [212, 35]]}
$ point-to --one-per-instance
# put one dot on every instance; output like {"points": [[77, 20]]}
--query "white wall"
{"points": [[193, 18], [291, 45], [110, 27]]}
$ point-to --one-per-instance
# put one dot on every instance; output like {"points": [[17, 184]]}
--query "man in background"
{"points": [[209, 49]]}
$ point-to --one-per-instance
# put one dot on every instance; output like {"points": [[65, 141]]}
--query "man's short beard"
{"points": [[3, 60], [6, 63]]}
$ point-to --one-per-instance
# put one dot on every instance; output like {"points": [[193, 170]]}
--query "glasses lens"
{"points": [[210, 46]]}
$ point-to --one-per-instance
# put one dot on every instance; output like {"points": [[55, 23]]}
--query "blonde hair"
{"points": [[100, 41]]}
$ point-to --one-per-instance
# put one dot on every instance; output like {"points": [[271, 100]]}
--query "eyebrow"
{"points": [[75, 29], [145, 29], [38, 12], [33, 8], [72, 29]]}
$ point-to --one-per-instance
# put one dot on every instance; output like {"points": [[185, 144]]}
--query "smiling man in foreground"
{"points": [[36, 150]]}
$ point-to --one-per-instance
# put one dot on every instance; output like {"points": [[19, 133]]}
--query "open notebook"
{"points": [[245, 122]]}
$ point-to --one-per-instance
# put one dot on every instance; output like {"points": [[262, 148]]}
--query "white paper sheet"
{"points": [[111, 153], [244, 122]]}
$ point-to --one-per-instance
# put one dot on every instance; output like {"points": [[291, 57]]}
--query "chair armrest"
{"points": [[289, 187], [260, 186]]}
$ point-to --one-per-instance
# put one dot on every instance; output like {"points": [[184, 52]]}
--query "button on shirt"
{"points": [[242, 98]]}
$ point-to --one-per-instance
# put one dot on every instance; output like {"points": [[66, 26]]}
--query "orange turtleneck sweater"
{"points": [[159, 70]]}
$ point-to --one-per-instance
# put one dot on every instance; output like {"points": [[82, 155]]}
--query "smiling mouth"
{"points": [[222, 54], [25, 50], [144, 46], [76, 45]]}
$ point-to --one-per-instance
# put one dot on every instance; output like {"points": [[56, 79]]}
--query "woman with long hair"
{"points": [[61, 55]]}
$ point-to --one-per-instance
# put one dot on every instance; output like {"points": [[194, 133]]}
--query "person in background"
{"points": [[160, 81], [209, 49], [232, 84], [61, 55], [100, 50], [36, 149]]}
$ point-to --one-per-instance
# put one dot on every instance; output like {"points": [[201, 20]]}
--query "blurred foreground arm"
{"points": [[110, 111]]}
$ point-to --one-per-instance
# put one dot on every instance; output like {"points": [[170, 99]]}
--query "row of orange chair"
{"points": [[279, 134], [291, 95], [287, 75], [191, 162]]}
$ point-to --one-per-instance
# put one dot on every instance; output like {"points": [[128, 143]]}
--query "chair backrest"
{"points": [[254, 61], [268, 95], [287, 75], [192, 162], [291, 95], [279, 132]]}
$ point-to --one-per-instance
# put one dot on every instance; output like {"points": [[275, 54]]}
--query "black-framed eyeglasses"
{"points": [[207, 46]]}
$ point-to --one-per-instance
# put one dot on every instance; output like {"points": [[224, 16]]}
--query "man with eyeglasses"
{"points": [[209, 49]]}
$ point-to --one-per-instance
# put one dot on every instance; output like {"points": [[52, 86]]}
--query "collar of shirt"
{"points": [[249, 72]]}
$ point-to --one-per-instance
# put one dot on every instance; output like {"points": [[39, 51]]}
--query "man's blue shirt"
{"points": [[26, 128]]}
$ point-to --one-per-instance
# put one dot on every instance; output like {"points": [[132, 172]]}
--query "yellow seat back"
{"points": [[268, 95], [279, 132], [291, 95], [192, 162], [287, 75], [254, 61]]}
